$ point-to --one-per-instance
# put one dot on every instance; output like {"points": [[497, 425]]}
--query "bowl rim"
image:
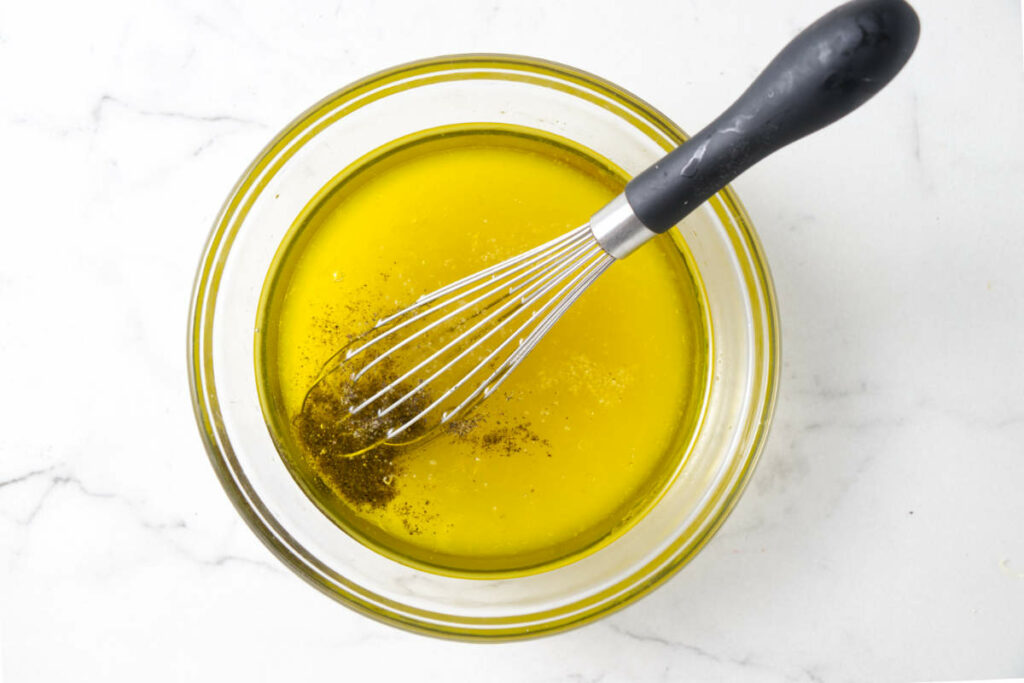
{"points": [[248, 505]]}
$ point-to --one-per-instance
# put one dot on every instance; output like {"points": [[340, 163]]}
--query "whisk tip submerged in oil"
{"points": [[421, 367]]}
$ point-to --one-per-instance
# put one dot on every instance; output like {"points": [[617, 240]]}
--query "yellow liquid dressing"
{"points": [[579, 441]]}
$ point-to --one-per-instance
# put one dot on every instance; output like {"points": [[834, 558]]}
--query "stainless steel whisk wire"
{"points": [[574, 258]]}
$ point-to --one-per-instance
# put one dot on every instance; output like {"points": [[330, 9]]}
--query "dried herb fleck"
{"points": [[348, 451]]}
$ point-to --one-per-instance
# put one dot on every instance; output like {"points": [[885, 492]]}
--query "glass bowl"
{"points": [[303, 158]]}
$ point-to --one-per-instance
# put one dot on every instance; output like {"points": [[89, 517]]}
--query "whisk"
{"points": [[430, 363]]}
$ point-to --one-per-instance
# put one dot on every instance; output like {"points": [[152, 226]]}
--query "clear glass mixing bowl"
{"points": [[260, 210]]}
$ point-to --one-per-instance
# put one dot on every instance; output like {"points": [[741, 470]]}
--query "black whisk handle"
{"points": [[831, 68]]}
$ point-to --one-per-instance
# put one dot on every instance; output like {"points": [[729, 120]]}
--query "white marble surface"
{"points": [[883, 535]]}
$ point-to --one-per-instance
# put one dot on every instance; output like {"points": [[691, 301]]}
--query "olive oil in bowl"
{"points": [[581, 439]]}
